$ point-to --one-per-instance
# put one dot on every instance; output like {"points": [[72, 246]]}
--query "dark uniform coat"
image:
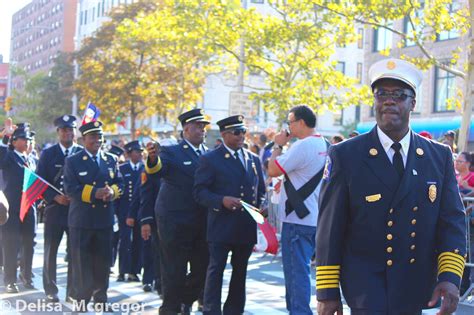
{"points": [[181, 226], [51, 167], [16, 234], [130, 238], [176, 170], [219, 175], [82, 176], [381, 239]]}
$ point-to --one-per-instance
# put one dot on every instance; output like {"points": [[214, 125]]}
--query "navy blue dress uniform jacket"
{"points": [[82, 178], [149, 189], [130, 180], [51, 168], [220, 174], [176, 168], [12, 167], [388, 244]]}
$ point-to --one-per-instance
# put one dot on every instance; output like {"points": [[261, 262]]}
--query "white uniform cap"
{"points": [[396, 69]]}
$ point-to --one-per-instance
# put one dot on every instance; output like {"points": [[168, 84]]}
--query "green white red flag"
{"points": [[33, 188]]}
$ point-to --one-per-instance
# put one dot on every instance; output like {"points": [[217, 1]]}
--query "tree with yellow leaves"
{"points": [[427, 22]]}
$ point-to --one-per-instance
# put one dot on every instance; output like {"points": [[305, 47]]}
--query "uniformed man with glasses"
{"points": [[391, 230], [226, 176]]}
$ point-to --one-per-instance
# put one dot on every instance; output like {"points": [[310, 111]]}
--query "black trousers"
{"points": [[151, 259], [235, 302], [181, 244], [17, 237], [53, 234], [129, 248], [91, 254]]}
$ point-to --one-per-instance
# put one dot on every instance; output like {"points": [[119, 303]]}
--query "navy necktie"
{"points": [[397, 159], [94, 158]]}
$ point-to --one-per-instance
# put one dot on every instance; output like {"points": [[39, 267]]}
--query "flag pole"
{"points": [[45, 181]]}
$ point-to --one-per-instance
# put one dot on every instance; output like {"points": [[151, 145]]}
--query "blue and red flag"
{"points": [[91, 113]]}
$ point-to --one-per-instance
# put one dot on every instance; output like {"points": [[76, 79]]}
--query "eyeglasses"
{"points": [[237, 132], [460, 161], [289, 122], [397, 95]]}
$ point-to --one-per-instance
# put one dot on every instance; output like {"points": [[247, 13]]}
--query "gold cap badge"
{"points": [[241, 118], [432, 193], [96, 124], [391, 65], [373, 152], [420, 151]]}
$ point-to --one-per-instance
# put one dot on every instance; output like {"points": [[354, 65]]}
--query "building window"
{"points": [[452, 34], [85, 17], [359, 71], [93, 14], [383, 38], [103, 7], [360, 38], [444, 90], [98, 10], [338, 117], [341, 67]]}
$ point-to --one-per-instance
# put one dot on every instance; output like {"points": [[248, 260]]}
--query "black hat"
{"points": [[450, 133], [91, 127], [23, 131], [116, 150], [232, 122], [66, 121], [133, 145], [194, 115]]}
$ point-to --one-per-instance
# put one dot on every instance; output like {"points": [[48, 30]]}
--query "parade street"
{"points": [[265, 290]]}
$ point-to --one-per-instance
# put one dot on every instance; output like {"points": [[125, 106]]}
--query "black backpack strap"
{"points": [[295, 198]]}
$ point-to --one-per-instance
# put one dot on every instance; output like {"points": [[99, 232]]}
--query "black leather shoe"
{"points": [[28, 285], [133, 278], [11, 288], [185, 309], [121, 278], [147, 288], [52, 298]]}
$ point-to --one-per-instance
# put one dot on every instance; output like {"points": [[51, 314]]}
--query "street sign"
{"points": [[241, 104]]}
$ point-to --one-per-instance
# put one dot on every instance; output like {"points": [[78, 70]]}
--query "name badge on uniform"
{"points": [[111, 173], [58, 165], [127, 175], [82, 173], [187, 162], [373, 198], [432, 192]]}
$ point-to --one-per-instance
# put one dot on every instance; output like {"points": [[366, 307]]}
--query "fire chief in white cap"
{"points": [[391, 230]]}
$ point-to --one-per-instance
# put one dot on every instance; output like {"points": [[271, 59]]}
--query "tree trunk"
{"points": [[468, 99], [133, 117]]}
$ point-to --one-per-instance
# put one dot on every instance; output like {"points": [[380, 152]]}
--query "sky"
{"points": [[7, 8]]}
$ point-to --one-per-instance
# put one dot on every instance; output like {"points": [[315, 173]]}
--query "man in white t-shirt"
{"points": [[302, 166]]}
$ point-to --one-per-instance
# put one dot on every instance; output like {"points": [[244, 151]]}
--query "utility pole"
{"points": [[240, 78]]}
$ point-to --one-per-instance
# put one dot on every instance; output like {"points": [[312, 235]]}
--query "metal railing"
{"points": [[467, 299]]}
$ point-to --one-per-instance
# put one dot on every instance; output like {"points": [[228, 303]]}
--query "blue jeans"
{"points": [[297, 247]]}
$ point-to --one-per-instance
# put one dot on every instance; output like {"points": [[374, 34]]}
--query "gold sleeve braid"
{"points": [[327, 277]]}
